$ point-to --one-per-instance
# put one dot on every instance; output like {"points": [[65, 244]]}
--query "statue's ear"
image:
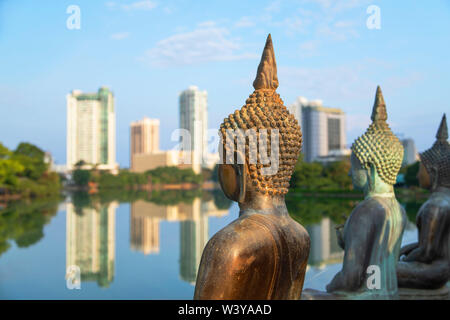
{"points": [[434, 177], [232, 180], [371, 174]]}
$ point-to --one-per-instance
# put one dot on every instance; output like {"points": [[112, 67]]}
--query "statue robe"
{"points": [[372, 237], [257, 256]]}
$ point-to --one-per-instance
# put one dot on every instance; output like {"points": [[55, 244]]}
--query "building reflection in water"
{"points": [[90, 241], [193, 217], [324, 246]]}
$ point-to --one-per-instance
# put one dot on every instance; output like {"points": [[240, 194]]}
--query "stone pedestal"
{"points": [[424, 294]]}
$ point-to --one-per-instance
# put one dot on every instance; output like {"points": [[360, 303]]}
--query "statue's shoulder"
{"points": [[372, 207], [241, 237], [435, 204]]}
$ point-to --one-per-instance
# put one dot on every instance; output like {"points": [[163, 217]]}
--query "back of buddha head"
{"points": [[263, 135]]}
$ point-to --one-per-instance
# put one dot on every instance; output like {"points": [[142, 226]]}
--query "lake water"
{"points": [[141, 246]]}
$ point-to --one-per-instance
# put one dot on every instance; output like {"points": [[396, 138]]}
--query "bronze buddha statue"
{"points": [[426, 263], [372, 234], [263, 253]]}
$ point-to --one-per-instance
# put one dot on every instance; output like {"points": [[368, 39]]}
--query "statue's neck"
{"points": [[442, 189], [379, 189], [256, 202]]}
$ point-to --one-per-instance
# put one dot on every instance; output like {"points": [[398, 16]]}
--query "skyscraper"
{"points": [[410, 155], [144, 138], [323, 129], [194, 118], [91, 129]]}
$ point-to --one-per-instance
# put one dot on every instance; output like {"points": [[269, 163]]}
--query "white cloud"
{"points": [[340, 83], [309, 48], [207, 42], [206, 24], [244, 22], [294, 25], [137, 5], [110, 4], [338, 5], [120, 35], [336, 33], [309, 45], [344, 24], [140, 5], [325, 22], [168, 10]]}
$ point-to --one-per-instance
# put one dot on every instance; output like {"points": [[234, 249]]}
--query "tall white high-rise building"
{"points": [[91, 129], [323, 129], [410, 155], [194, 118]]}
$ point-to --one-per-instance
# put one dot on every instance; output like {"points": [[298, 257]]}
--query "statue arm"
{"points": [[408, 248], [431, 223], [340, 237], [358, 241]]}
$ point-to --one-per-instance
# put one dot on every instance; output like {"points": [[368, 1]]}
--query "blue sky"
{"points": [[149, 51]]}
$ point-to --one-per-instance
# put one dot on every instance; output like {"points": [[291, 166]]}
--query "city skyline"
{"points": [[324, 51]]}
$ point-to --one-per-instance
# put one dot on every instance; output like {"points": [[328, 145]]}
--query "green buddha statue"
{"points": [[263, 253], [426, 263], [371, 236]]}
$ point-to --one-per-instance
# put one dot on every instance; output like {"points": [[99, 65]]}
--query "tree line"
{"points": [[25, 172], [128, 179]]}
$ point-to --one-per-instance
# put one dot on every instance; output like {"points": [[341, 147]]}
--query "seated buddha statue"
{"points": [[426, 263], [263, 253], [372, 234]]}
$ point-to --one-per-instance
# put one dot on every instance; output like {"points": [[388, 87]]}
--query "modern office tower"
{"points": [[194, 119], [90, 241], [410, 155], [144, 137], [91, 129], [323, 129], [296, 108]]}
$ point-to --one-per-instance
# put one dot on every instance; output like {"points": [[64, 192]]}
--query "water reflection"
{"points": [[144, 245], [324, 246], [90, 241], [23, 222], [145, 218]]}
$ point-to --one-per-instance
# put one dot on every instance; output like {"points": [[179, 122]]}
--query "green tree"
{"points": [[9, 171], [338, 173], [411, 174], [32, 158], [81, 177], [4, 151]]}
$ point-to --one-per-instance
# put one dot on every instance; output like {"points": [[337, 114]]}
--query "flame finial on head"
{"points": [[379, 107], [442, 133], [266, 76]]}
